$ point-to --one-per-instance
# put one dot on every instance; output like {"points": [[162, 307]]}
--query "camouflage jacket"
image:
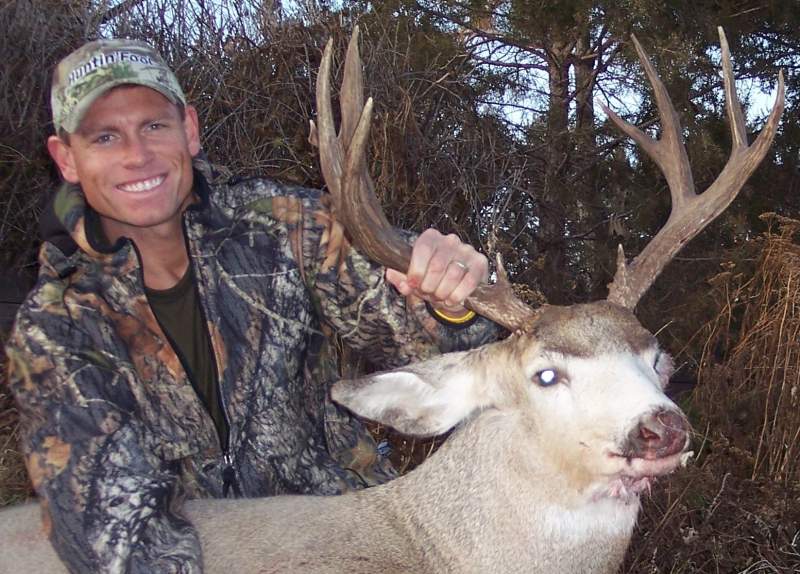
{"points": [[115, 435]]}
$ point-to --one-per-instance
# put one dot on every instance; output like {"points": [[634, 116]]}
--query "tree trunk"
{"points": [[555, 195]]}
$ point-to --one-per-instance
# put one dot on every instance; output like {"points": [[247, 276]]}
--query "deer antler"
{"points": [[344, 168], [690, 212]]}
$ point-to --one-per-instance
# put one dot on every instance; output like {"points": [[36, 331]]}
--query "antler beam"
{"points": [[344, 168], [691, 212]]}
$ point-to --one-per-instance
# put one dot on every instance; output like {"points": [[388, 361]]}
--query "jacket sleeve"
{"points": [[111, 504], [370, 315]]}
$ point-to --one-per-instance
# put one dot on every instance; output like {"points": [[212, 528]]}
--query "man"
{"points": [[176, 343]]}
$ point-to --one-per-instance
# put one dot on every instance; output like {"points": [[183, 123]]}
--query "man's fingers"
{"points": [[399, 281], [443, 270], [456, 271], [440, 266], [421, 254], [466, 271]]}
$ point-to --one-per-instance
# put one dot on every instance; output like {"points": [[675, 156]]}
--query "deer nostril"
{"points": [[658, 434], [648, 434]]}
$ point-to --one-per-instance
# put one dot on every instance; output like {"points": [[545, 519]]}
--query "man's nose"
{"points": [[137, 151]]}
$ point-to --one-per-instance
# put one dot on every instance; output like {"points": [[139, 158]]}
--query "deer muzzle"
{"points": [[657, 435]]}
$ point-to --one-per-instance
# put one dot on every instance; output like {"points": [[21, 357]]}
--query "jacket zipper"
{"points": [[230, 478]]}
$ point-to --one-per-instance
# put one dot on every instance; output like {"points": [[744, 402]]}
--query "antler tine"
{"points": [[324, 135], [361, 210], [499, 303], [669, 152], [352, 94], [344, 168], [691, 212], [732, 105]]}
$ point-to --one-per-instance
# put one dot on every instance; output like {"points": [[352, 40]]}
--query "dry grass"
{"points": [[706, 519], [29, 51], [14, 484], [753, 394]]}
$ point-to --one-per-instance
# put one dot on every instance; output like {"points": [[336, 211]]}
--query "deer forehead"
{"points": [[590, 330]]}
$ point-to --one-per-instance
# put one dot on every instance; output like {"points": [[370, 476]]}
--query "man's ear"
{"points": [[191, 126], [423, 399], [61, 152]]}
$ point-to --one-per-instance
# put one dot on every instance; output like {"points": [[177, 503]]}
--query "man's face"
{"points": [[132, 156]]}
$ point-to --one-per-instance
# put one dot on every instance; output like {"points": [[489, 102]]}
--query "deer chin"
{"points": [[628, 488]]}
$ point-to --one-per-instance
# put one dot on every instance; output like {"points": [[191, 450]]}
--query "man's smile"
{"points": [[142, 185]]}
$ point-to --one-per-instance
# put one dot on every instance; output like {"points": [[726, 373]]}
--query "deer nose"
{"points": [[659, 434]]}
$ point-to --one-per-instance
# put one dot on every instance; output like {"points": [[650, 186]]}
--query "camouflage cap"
{"points": [[96, 67]]}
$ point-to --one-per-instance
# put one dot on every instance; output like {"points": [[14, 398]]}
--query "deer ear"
{"points": [[423, 399]]}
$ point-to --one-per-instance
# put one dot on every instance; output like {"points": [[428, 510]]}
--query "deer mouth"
{"points": [[652, 466], [638, 474]]}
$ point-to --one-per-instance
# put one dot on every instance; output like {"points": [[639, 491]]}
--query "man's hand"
{"points": [[443, 271]]}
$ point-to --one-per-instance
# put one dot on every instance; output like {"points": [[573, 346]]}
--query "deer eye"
{"points": [[662, 363], [546, 377]]}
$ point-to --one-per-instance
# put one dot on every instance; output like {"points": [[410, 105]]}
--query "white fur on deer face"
{"points": [[587, 380], [596, 380]]}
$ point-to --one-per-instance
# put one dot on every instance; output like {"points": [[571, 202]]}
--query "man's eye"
{"points": [[103, 139], [547, 377], [156, 126]]}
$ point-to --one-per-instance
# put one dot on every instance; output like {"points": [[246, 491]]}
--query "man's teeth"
{"points": [[145, 185]]}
